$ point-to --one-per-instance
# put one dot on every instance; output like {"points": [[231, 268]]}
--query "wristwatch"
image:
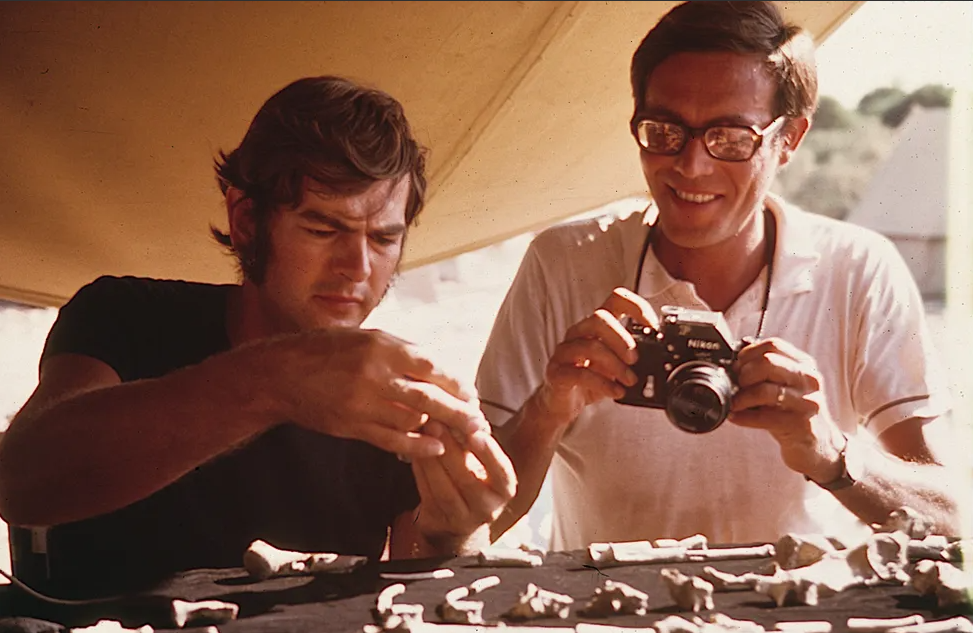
{"points": [[852, 468]]}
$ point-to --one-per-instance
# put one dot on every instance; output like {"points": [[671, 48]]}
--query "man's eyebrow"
{"points": [[317, 217], [665, 113]]}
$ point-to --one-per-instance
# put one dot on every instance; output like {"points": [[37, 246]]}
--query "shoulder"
{"points": [[130, 291]]}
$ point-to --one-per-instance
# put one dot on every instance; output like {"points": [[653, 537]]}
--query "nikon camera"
{"points": [[684, 368]]}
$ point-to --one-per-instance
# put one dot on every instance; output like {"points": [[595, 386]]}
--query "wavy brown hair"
{"points": [[737, 27], [331, 130]]}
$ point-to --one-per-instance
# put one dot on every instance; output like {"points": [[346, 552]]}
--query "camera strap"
{"points": [[770, 248]]}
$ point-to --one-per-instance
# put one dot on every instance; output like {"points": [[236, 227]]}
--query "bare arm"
{"points": [[86, 444]]}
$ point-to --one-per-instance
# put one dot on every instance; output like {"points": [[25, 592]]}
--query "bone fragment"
{"points": [[508, 557], [111, 626], [458, 610], [588, 627], [804, 627], [959, 624], [676, 624], [665, 542], [262, 560], [881, 555], [535, 602], [933, 547], [696, 541], [720, 623], [434, 574], [789, 591], [881, 625], [203, 612], [907, 520], [723, 581], [691, 593], [615, 598], [951, 585], [801, 550], [960, 551], [396, 617], [730, 553]]}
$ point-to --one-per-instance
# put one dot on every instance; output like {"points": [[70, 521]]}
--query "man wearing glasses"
{"points": [[835, 384]]}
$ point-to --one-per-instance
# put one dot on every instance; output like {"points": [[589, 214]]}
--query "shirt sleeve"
{"points": [[96, 322], [520, 343], [898, 373]]}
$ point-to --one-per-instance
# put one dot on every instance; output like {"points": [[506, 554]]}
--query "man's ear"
{"points": [[239, 214], [794, 132]]}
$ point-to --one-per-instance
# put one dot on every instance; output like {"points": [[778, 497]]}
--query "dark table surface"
{"points": [[344, 602]]}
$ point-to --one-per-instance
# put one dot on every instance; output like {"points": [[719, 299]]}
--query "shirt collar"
{"points": [[794, 254]]}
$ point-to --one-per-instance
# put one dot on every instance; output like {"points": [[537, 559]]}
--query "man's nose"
{"points": [[352, 257], [694, 161]]}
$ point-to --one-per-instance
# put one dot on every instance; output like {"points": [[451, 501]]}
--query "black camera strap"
{"points": [[770, 248]]}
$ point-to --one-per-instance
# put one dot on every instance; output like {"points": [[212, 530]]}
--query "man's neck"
{"points": [[245, 322], [721, 272]]}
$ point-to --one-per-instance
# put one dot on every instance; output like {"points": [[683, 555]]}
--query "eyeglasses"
{"points": [[723, 142]]}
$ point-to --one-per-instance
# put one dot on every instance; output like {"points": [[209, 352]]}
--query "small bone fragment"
{"points": [[730, 553], [456, 609], [535, 602], [882, 555], [696, 541], [723, 581], [801, 550], [933, 547], [881, 625], [666, 542], [434, 574], [691, 593], [203, 612], [720, 623], [111, 626], [951, 585], [804, 627], [395, 617], [508, 557], [262, 560], [959, 624], [676, 624], [960, 551], [615, 598], [907, 520], [633, 553], [588, 627], [786, 591]]}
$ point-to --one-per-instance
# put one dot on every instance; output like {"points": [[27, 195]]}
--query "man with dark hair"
{"points": [[176, 422], [834, 387]]}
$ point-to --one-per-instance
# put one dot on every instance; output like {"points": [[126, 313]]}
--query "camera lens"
{"points": [[698, 397]]}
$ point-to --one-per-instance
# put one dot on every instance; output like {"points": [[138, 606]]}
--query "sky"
{"points": [[904, 43]]}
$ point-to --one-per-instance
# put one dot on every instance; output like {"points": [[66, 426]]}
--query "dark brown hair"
{"points": [[737, 27], [338, 133]]}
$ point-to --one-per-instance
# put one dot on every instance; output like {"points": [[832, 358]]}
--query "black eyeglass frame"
{"points": [[757, 133]]}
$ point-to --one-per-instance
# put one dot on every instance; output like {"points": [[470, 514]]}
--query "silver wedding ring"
{"points": [[781, 392]]}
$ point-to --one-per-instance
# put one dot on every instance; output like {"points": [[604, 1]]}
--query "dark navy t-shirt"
{"points": [[291, 487]]}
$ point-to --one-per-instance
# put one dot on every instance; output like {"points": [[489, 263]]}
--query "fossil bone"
{"points": [[723, 581], [801, 550], [434, 574], [111, 626], [691, 593], [186, 613], [720, 623], [810, 626], [951, 585], [535, 602], [907, 520], [959, 624], [396, 617], [676, 624], [457, 609], [262, 560], [508, 557], [638, 552], [881, 625], [615, 598]]}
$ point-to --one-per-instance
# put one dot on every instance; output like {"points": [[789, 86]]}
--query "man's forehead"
{"points": [[382, 200]]}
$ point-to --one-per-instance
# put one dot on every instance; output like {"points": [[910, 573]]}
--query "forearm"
{"points": [[889, 483], [105, 448], [530, 439]]}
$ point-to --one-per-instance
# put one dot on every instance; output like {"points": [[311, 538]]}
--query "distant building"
{"points": [[907, 199]]}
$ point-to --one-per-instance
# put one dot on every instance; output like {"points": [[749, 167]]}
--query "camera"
{"points": [[684, 367]]}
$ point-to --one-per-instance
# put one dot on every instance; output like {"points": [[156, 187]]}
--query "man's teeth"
{"points": [[698, 198]]}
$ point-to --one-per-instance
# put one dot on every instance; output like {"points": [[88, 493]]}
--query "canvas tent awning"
{"points": [[111, 114]]}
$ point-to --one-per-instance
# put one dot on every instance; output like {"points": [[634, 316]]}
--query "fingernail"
{"points": [[434, 449]]}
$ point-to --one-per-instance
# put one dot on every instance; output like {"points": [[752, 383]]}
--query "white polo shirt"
{"points": [[840, 292]]}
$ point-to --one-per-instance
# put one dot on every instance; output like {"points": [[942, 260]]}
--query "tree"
{"points": [[831, 115], [880, 100]]}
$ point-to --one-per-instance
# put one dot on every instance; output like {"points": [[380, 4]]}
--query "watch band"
{"points": [[845, 479]]}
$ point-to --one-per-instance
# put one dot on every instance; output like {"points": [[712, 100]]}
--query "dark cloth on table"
{"points": [[291, 487], [343, 603]]}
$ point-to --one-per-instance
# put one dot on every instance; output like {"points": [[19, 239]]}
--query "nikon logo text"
{"points": [[696, 343]]}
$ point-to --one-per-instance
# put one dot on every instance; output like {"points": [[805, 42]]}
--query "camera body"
{"points": [[684, 367]]}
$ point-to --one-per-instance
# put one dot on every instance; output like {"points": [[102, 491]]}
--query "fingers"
{"points": [[408, 445], [500, 472], [483, 476], [623, 302], [427, 398]]}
